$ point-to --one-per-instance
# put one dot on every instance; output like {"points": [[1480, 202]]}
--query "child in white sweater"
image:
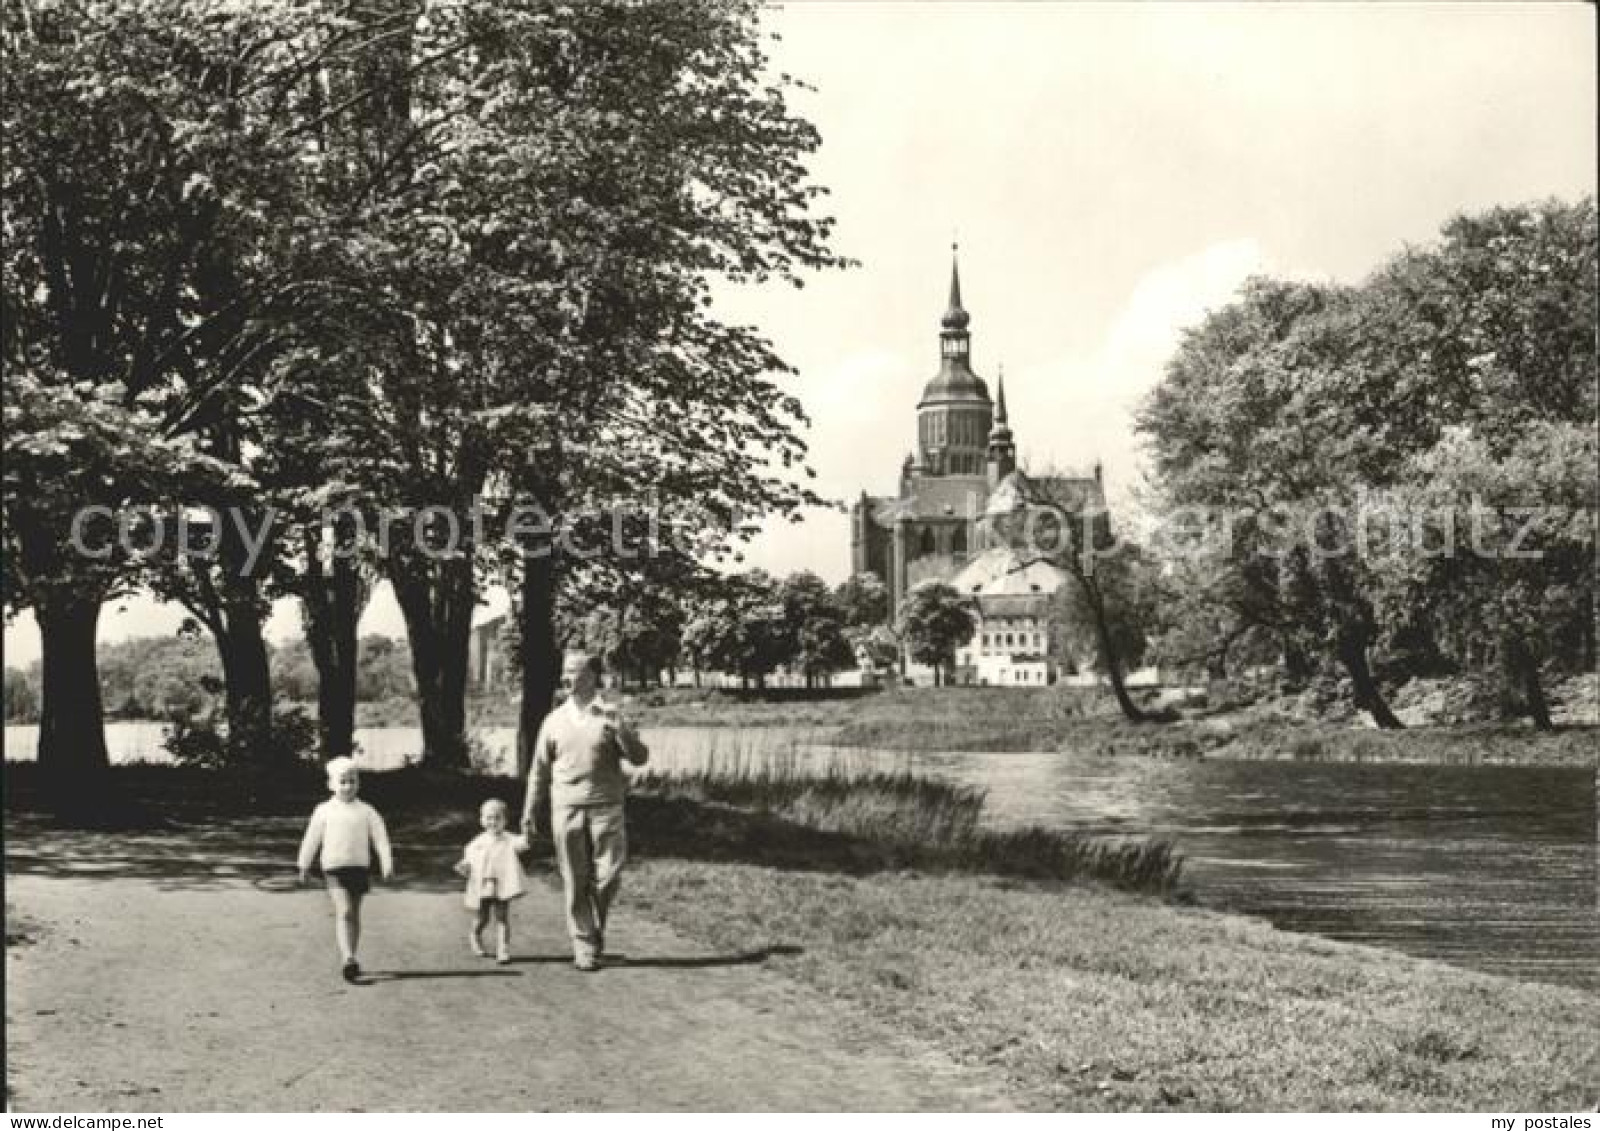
{"points": [[341, 836], [494, 878]]}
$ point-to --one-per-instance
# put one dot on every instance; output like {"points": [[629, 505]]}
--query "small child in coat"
{"points": [[494, 878], [342, 835]]}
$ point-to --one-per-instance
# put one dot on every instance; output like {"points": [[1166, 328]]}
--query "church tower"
{"points": [[1002, 449], [953, 416]]}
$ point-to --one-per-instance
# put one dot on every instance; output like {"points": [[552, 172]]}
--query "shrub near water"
{"points": [[906, 820]]}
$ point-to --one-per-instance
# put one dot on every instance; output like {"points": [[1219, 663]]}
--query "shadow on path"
{"points": [[372, 977], [696, 962]]}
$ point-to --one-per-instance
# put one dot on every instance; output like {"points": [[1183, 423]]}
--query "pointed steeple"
{"points": [[955, 315], [1002, 452], [955, 414]]}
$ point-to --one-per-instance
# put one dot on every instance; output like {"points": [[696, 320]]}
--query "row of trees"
{"points": [[294, 256], [165, 677], [755, 624], [1396, 478]]}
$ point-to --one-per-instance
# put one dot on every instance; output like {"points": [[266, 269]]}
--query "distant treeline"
{"points": [[162, 677]]}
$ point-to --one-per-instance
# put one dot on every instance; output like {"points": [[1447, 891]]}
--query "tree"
{"points": [[1207, 620], [1129, 593], [140, 280], [522, 290], [1262, 430], [814, 626], [685, 166], [294, 673], [638, 639], [864, 600], [1107, 596], [1517, 584], [703, 635], [740, 628], [333, 587], [934, 620], [21, 695], [1296, 409], [70, 449], [383, 669]]}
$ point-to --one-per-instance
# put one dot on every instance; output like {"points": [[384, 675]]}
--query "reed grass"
{"points": [[906, 820], [1468, 745]]}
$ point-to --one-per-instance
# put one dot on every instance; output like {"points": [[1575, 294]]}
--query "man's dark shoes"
{"points": [[352, 970]]}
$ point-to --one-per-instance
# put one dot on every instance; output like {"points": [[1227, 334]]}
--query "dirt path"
{"points": [[137, 996]]}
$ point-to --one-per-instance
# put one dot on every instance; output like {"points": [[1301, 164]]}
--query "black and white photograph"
{"points": [[616, 556]]}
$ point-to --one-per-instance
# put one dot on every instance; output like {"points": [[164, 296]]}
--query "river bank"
{"points": [[1090, 1000], [1061, 719]]}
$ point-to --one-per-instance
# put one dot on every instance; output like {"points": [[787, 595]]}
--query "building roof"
{"points": [[948, 497], [955, 382], [1072, 492], [1003, 572], [1033, 605], [1017, 491]]}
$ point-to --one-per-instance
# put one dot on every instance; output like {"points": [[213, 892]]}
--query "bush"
{"points": [[196, 740], [202, 740]]}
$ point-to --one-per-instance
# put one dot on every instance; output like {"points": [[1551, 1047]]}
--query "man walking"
{"points": [[577, 769]]}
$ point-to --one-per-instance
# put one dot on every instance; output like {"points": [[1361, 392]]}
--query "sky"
{"points": [[1111, 172]]}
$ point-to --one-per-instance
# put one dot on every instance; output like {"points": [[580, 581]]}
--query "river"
{"points": [[1490, 867]]}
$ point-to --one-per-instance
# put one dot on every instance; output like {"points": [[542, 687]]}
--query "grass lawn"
{"points": [[1089, 999]]}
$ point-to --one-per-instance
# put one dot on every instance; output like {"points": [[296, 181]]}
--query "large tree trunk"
{"points": [[1523, 669], [231, 606], [1108, 651], [248, 679], [332, 598], [72, 739], [541, 652], [1352, 651], [437, 599]]}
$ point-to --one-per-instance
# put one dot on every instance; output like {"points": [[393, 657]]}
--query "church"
{"points": [[965, 514]]}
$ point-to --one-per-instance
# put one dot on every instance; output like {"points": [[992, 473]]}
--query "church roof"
{"points": [[946, 496], [955, 381], [1071, 493], [1003, 572]]}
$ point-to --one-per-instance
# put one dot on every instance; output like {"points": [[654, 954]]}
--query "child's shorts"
{"points": [[356, 881]]}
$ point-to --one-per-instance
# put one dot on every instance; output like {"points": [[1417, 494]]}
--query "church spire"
{"points": [[955, 414], [955, 317], [1002, 454]]}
